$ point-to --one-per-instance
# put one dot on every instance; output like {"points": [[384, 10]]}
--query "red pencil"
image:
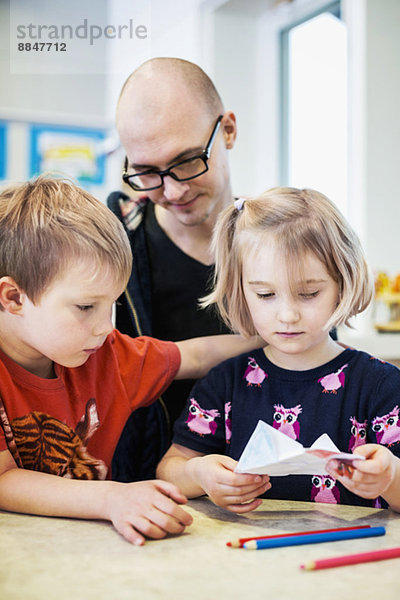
{"points": [[239, 543], [351, 559]]}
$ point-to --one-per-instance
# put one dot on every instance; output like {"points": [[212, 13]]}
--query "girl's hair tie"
{"points": [[239, 203]]}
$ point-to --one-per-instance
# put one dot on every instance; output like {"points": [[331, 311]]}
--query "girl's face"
{"points": [[70, 321], [291, 318]]}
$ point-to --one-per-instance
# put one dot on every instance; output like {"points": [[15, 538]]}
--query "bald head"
{"points": [[160, 86]]}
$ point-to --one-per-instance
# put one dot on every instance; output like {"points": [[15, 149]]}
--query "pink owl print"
{"points": [[358, 433], [324, 489], [333, 381], [285, 419], [228, 422], [254, 375], [200, 420], [387, 428]]}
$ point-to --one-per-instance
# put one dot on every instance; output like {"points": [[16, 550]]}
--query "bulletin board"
{"points": [[73, 151]]}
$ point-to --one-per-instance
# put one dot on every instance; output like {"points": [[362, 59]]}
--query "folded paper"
{"points": [[271, 452]]}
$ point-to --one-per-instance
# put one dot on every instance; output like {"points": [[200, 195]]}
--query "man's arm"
{"points": [[145, 508], [199, 355]]}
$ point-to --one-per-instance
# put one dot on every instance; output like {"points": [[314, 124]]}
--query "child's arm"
{"points": [[146, 508], [379, 475], [213, 474], [199, 355]]}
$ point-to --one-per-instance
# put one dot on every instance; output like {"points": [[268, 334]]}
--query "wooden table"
{"points": [[51, 558]]}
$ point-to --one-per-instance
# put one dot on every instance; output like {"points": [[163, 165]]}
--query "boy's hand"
{"points": [[371, 477], [147, 508], [236, 492]]}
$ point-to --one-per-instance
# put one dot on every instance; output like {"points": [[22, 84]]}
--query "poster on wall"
{"points": [[72, 151], [3, 150]]}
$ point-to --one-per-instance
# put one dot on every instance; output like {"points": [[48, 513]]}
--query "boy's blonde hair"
{"points": [[47, 224], [300, 221]]}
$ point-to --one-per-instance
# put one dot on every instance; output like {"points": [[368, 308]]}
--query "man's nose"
{"points": [[174, 190]]}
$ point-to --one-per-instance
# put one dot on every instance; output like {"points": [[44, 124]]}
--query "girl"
{"points": [[289, 267]]}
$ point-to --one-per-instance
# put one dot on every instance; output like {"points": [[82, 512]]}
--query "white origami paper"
{"points": [[270, 452]]}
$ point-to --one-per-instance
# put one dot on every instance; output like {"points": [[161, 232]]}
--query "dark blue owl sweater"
{"points": [[354, 398]]}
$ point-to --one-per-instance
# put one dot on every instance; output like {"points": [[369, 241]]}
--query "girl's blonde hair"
{"points": [[47, 224], [300, 221]]}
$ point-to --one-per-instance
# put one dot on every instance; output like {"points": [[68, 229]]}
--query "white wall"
{"points": [[46, 97], [242, 81], [383, 134], [71, 97], [89, 99], [174, 30]]}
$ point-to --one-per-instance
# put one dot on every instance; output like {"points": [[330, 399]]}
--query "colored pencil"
{"points": [[351, 559], [239, 542], [314, 538]]}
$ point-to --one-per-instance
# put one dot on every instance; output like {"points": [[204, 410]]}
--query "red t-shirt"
{"points": [[70, 425]]}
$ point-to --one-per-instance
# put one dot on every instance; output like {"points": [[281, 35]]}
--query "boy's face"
{"points": [[290, 318], [70, 321]]}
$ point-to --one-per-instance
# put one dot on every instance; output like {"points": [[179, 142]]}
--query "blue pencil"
{"points": [[314, 538]]}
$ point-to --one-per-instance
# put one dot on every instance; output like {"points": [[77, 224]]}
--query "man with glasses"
{"points": [[176, 135]]}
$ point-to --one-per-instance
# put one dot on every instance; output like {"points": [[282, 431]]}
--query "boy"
{"points": [[68, 380]]}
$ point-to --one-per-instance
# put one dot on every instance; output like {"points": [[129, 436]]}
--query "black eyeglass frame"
{"points": [[204, 156]]}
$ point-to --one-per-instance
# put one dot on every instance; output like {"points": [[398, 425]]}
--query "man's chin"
{"points": [[192, 218]]}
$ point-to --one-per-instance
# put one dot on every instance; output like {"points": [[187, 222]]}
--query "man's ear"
{"points": [[11, 296], [229, 129]]}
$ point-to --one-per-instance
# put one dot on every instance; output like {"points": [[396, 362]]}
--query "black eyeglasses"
{"points": [[180, 171]]}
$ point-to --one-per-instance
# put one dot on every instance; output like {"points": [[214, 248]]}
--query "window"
{"points": [[314, 105]]}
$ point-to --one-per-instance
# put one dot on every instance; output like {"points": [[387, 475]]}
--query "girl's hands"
{"points": [[372, 477], [236, 492]]}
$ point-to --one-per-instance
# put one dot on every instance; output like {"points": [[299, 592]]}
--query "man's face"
{"points": [[159, 141]]}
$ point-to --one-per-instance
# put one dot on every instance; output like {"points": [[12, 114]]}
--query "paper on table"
{"points": [[271, 452]]}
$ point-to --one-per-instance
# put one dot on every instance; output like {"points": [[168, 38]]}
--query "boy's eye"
{"points": [[308, 295], [84, 307]]}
